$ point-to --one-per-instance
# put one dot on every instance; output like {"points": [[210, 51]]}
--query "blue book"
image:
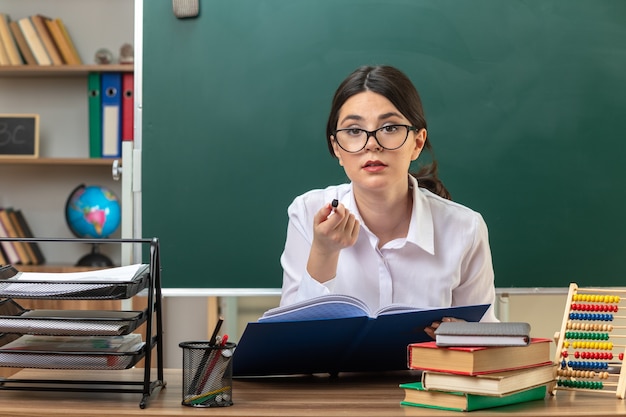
{"points": [[336, 333], [111, 93]]}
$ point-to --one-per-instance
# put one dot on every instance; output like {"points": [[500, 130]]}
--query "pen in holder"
{"points": [[207, 374]]}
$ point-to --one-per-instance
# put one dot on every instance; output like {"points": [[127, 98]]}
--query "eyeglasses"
{"points": [[389, 137]]}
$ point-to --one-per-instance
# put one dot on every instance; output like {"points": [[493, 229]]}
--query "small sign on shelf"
{"points": [[19, 135]]}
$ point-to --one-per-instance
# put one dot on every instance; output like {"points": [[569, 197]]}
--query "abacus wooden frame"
{"points": [[560, 338]]}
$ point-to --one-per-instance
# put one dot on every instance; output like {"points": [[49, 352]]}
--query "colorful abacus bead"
{"points": [[594, 355], [594, 307], [580, 384], [587, 365]]}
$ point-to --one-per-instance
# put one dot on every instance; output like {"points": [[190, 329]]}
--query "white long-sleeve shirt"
{"points": [[444, 261]]}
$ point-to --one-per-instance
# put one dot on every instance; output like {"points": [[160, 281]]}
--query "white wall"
{"points": [[41, 191]]}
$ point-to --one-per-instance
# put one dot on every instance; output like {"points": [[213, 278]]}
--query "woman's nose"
{"points": [[373, 143]]}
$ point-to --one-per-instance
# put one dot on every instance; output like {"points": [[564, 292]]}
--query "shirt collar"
{"points": [[421, 230]]}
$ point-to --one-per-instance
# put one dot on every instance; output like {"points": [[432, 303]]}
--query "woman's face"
{"points": [[373, 167]]}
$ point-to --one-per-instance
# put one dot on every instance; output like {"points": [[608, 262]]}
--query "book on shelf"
{"points": [[8, 248], [474, 360], [9, 42], [9, 227], [76, 56], [458, 333], [34, 42], [416, 396], [39, 22], [62, 42], [497, 383], [4, 57], [24, 49], [24, 230], [3, 259], [19, 232], [336, 333]]}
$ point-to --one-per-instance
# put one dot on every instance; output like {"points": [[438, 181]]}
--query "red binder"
{"points": [[128, 100]]}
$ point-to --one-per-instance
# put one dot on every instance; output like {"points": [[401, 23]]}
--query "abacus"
{"points": [[587, 355]]}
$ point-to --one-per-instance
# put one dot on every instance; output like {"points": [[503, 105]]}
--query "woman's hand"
{"points": [[333, 230], [430, 330]]}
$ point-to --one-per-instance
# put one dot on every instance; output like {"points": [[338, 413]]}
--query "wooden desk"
{"points": [[348, 395]]}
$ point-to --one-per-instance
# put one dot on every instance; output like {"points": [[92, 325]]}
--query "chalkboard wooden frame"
{"points": [[24, 146]]}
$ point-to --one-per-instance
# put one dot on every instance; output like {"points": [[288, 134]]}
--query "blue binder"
{"points": [[111, 94]]}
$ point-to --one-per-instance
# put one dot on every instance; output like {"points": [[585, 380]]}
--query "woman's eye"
{"points": [[354, 132], [390, 129]]}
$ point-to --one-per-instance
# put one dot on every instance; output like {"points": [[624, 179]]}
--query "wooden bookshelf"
{"points": [[58, 161], [59, 95], [61, 70]]}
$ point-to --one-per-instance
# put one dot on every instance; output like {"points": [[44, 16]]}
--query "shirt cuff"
{"points": [[310, 287]]}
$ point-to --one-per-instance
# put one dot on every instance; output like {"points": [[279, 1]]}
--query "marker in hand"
{"points": [[333, 207]]}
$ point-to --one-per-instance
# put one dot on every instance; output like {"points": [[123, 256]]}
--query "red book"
{"points": [[128, 102], [478, 360]]}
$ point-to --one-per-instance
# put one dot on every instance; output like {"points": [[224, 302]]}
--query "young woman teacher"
{"points": [[394, 236]]}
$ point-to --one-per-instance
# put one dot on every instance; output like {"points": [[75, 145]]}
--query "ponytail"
{"points": [[428, 178]]}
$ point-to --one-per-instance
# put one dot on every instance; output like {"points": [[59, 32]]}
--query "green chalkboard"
{"points": [[525, 100]]}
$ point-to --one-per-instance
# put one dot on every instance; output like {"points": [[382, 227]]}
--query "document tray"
{"points": [[97, 289], [56, 359], [16, 319]]}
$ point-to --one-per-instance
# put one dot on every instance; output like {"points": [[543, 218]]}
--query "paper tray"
{"points": [[67, 360], [15, 319], [100, 289]]}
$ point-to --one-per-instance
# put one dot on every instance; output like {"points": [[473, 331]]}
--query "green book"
{"points": [[415, 395], [95, 115]]}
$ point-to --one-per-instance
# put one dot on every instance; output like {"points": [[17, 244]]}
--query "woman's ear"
{"points": [[420, 140], [336, 149]]}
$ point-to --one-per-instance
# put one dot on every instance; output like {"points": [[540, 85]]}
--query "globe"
{"points": [[93, 212]]}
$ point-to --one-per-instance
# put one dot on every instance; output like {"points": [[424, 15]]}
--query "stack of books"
{"points": [[474, 377], [36, 40], [13, 224]]}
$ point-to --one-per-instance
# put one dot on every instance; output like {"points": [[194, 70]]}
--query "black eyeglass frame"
{"points": [[373, 133]]}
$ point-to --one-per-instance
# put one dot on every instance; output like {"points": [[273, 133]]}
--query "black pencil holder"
{"points": [[207, 374]]}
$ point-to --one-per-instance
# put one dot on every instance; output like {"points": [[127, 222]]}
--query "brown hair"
{"points": [[400, 91]]}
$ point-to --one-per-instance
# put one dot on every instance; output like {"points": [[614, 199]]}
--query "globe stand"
{"points": [[95, 258]]}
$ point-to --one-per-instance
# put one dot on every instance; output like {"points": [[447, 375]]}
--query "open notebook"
{"points": [[335, 333]]}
